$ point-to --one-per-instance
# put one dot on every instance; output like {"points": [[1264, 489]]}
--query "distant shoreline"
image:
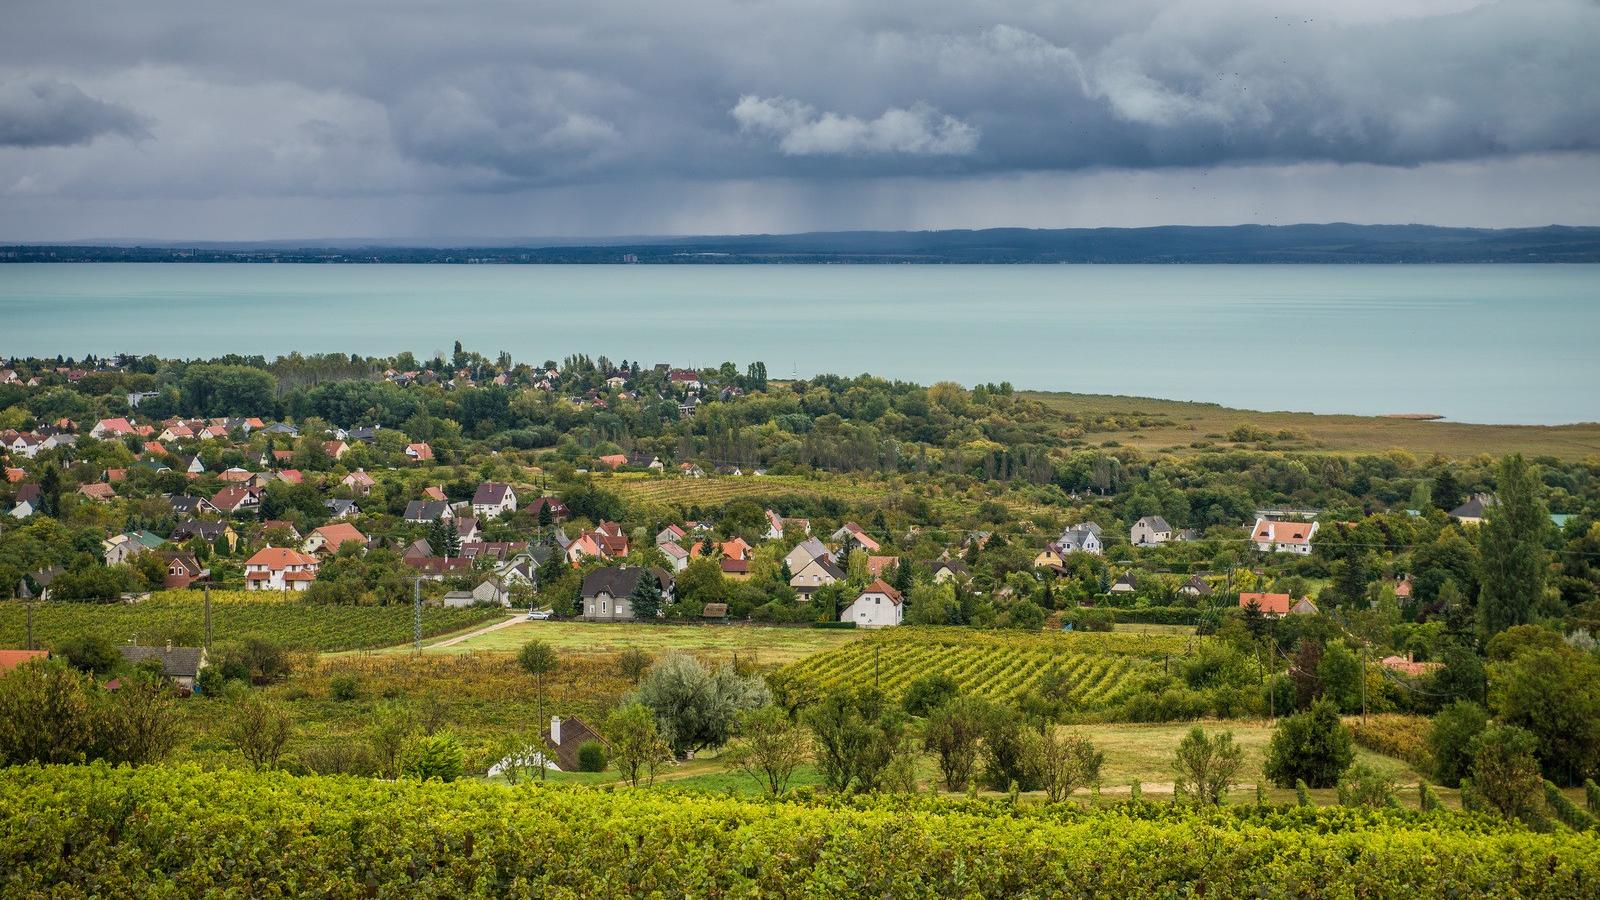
{"points": [[1173, 244]]}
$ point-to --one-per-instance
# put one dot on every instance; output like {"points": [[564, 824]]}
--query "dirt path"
{"points": [[451, 642]]}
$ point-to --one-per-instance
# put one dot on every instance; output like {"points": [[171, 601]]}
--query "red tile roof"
{"points": [[1270, 604], [882, 587]]}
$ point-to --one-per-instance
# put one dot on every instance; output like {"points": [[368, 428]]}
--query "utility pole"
{"points": [[205, 586], [416, 613], [875, 669], [30, 625], [1363, 685]]}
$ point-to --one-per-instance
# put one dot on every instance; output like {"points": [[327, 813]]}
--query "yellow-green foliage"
{"points": [[295, 626], [1000, 666], [1393, 734], [157, 831]]}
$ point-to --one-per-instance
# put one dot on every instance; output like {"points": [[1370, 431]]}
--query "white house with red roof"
{"points": [[1276, 536], [329, 538], [857, 535], [877, 606], [419, 452], [111, 428], [279, 569]]}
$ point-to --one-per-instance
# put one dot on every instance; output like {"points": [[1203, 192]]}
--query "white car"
{"points": [[538, 614]]}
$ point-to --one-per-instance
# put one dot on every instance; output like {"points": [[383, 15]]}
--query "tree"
{"points": [[1462, 676], [140, 720], [1062, 762], [433, 756], [695, 707], [539, 660], [1506, 774], [1340, 675], [645, 600], [92, 653], [1362, 785], [857, 735], [1511, 552], [1450, 738], [1205, 767], [1007, 751], [261, 729], [769, 747], [1307, 683], [391, 725], [444, 539], [47, 715], [953, 734], [1555, 695], [927, 693], [637, 747], [632, 663], [1313, 746]]}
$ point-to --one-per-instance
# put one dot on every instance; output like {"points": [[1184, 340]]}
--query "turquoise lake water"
{"points": [[1501, 343]]}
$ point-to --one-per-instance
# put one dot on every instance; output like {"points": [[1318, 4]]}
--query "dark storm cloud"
{"points": [[435, 99], [48, 113]]}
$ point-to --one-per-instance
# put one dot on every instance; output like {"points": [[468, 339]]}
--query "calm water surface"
{"points": [[1501, 343]]}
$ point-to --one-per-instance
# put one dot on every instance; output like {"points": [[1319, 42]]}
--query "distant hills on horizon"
{"points": [[1325, 243]]}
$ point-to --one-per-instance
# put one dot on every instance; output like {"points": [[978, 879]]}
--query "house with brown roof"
{"points": [[99, 491], [183, 569], [856, 535], [329, 538], [419, 452], [1278, 536], [359, 482], [237, 500], [878, 605], [279, 569]]}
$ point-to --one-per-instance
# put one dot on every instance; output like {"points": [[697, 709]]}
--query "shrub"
{"points": [[344, 687], [1362, 785], [1506, 773], [927, 693], [1205, 767], [591, 757], [1427, 798], [433, 757], [1450, 740], [1564, 809], [1302, 794], [1591, 794], [1312, 746]]}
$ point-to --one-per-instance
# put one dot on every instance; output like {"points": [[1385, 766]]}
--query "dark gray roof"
{"points": [[490, 493], [619, 581], [1156, 523], [425, 510], [176, 662], [207, 530]]}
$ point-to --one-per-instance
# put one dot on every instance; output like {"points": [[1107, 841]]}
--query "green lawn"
{"points": [[764, 645]]}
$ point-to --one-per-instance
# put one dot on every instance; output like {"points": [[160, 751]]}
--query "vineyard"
{"points": [[156, 831], [715, 491], [1098, 668], [296, 626]]}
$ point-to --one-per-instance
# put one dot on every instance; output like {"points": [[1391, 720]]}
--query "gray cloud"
{"points": [[43, 112], [811, 98]]}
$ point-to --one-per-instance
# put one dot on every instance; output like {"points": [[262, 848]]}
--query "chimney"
{"points": [[169, 645], [555, 730]]}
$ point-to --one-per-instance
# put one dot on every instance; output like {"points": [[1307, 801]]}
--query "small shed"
{"points": [[715, 612]]}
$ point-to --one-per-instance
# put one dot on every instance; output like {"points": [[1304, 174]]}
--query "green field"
{"points": [[759, 644], [1000, 666], [890, 493], [1175, 425], [296, 626]]}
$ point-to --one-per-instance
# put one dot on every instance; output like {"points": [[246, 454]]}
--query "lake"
{"points": [[1488, 343]]}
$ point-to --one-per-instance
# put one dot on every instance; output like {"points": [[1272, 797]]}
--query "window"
{"points": [[603, 606]]}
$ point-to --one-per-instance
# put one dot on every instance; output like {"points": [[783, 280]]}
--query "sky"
{"points": [[445, 119]]}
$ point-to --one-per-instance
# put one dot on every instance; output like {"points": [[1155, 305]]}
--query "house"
{"points": [[466, 528], [806, 551], [329, 538], [419, 452], [495, 550], [606, 591], [1303, 607], [1083, 537], [458, 599], [342, 509], [1473, 511], [1148, 531], [435, 568], [423, 512], [434, 493], [1278, 536], [558, 510], [1126, 583], [205, 530], [776, 526], [877, 565], [99, 491], [949, 570], [234, 475], [1270, 605], [878, 606], [111, 428], [494, 499], [675, 554], [641, 460], [279, 569], [236, 500], [120, 548], [359, 482], [335, 449], [612, 460], [37, 585], [1408, 666], [28, 499], [1195, 587], [690, 470], [729, 549], [814, 574], [734, 569], [182, 569], [10, 659], [181, 664], [564, 737], [672, 534], [856, 536]]}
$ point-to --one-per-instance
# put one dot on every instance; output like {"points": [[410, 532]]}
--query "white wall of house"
{"points": [[872, 610]]}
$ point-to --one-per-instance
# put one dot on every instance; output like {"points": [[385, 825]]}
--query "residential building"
{"points": [[606, 591], [1148, 531], [279, 569], [879, 605], [493, 499], [1278, 536]]}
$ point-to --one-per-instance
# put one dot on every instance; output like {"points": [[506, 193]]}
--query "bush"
{"points": [[1506, 775], [1450, 740], [1362, 785], [1571, 814], [91, 653], [344, 687], [1205, 767], [928, 693], [435, 756], [1427, 798], [591, 757], [1312, 746]]}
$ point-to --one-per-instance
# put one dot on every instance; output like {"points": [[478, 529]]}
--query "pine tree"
{"points": [[646, 597], [1511, 549]]}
